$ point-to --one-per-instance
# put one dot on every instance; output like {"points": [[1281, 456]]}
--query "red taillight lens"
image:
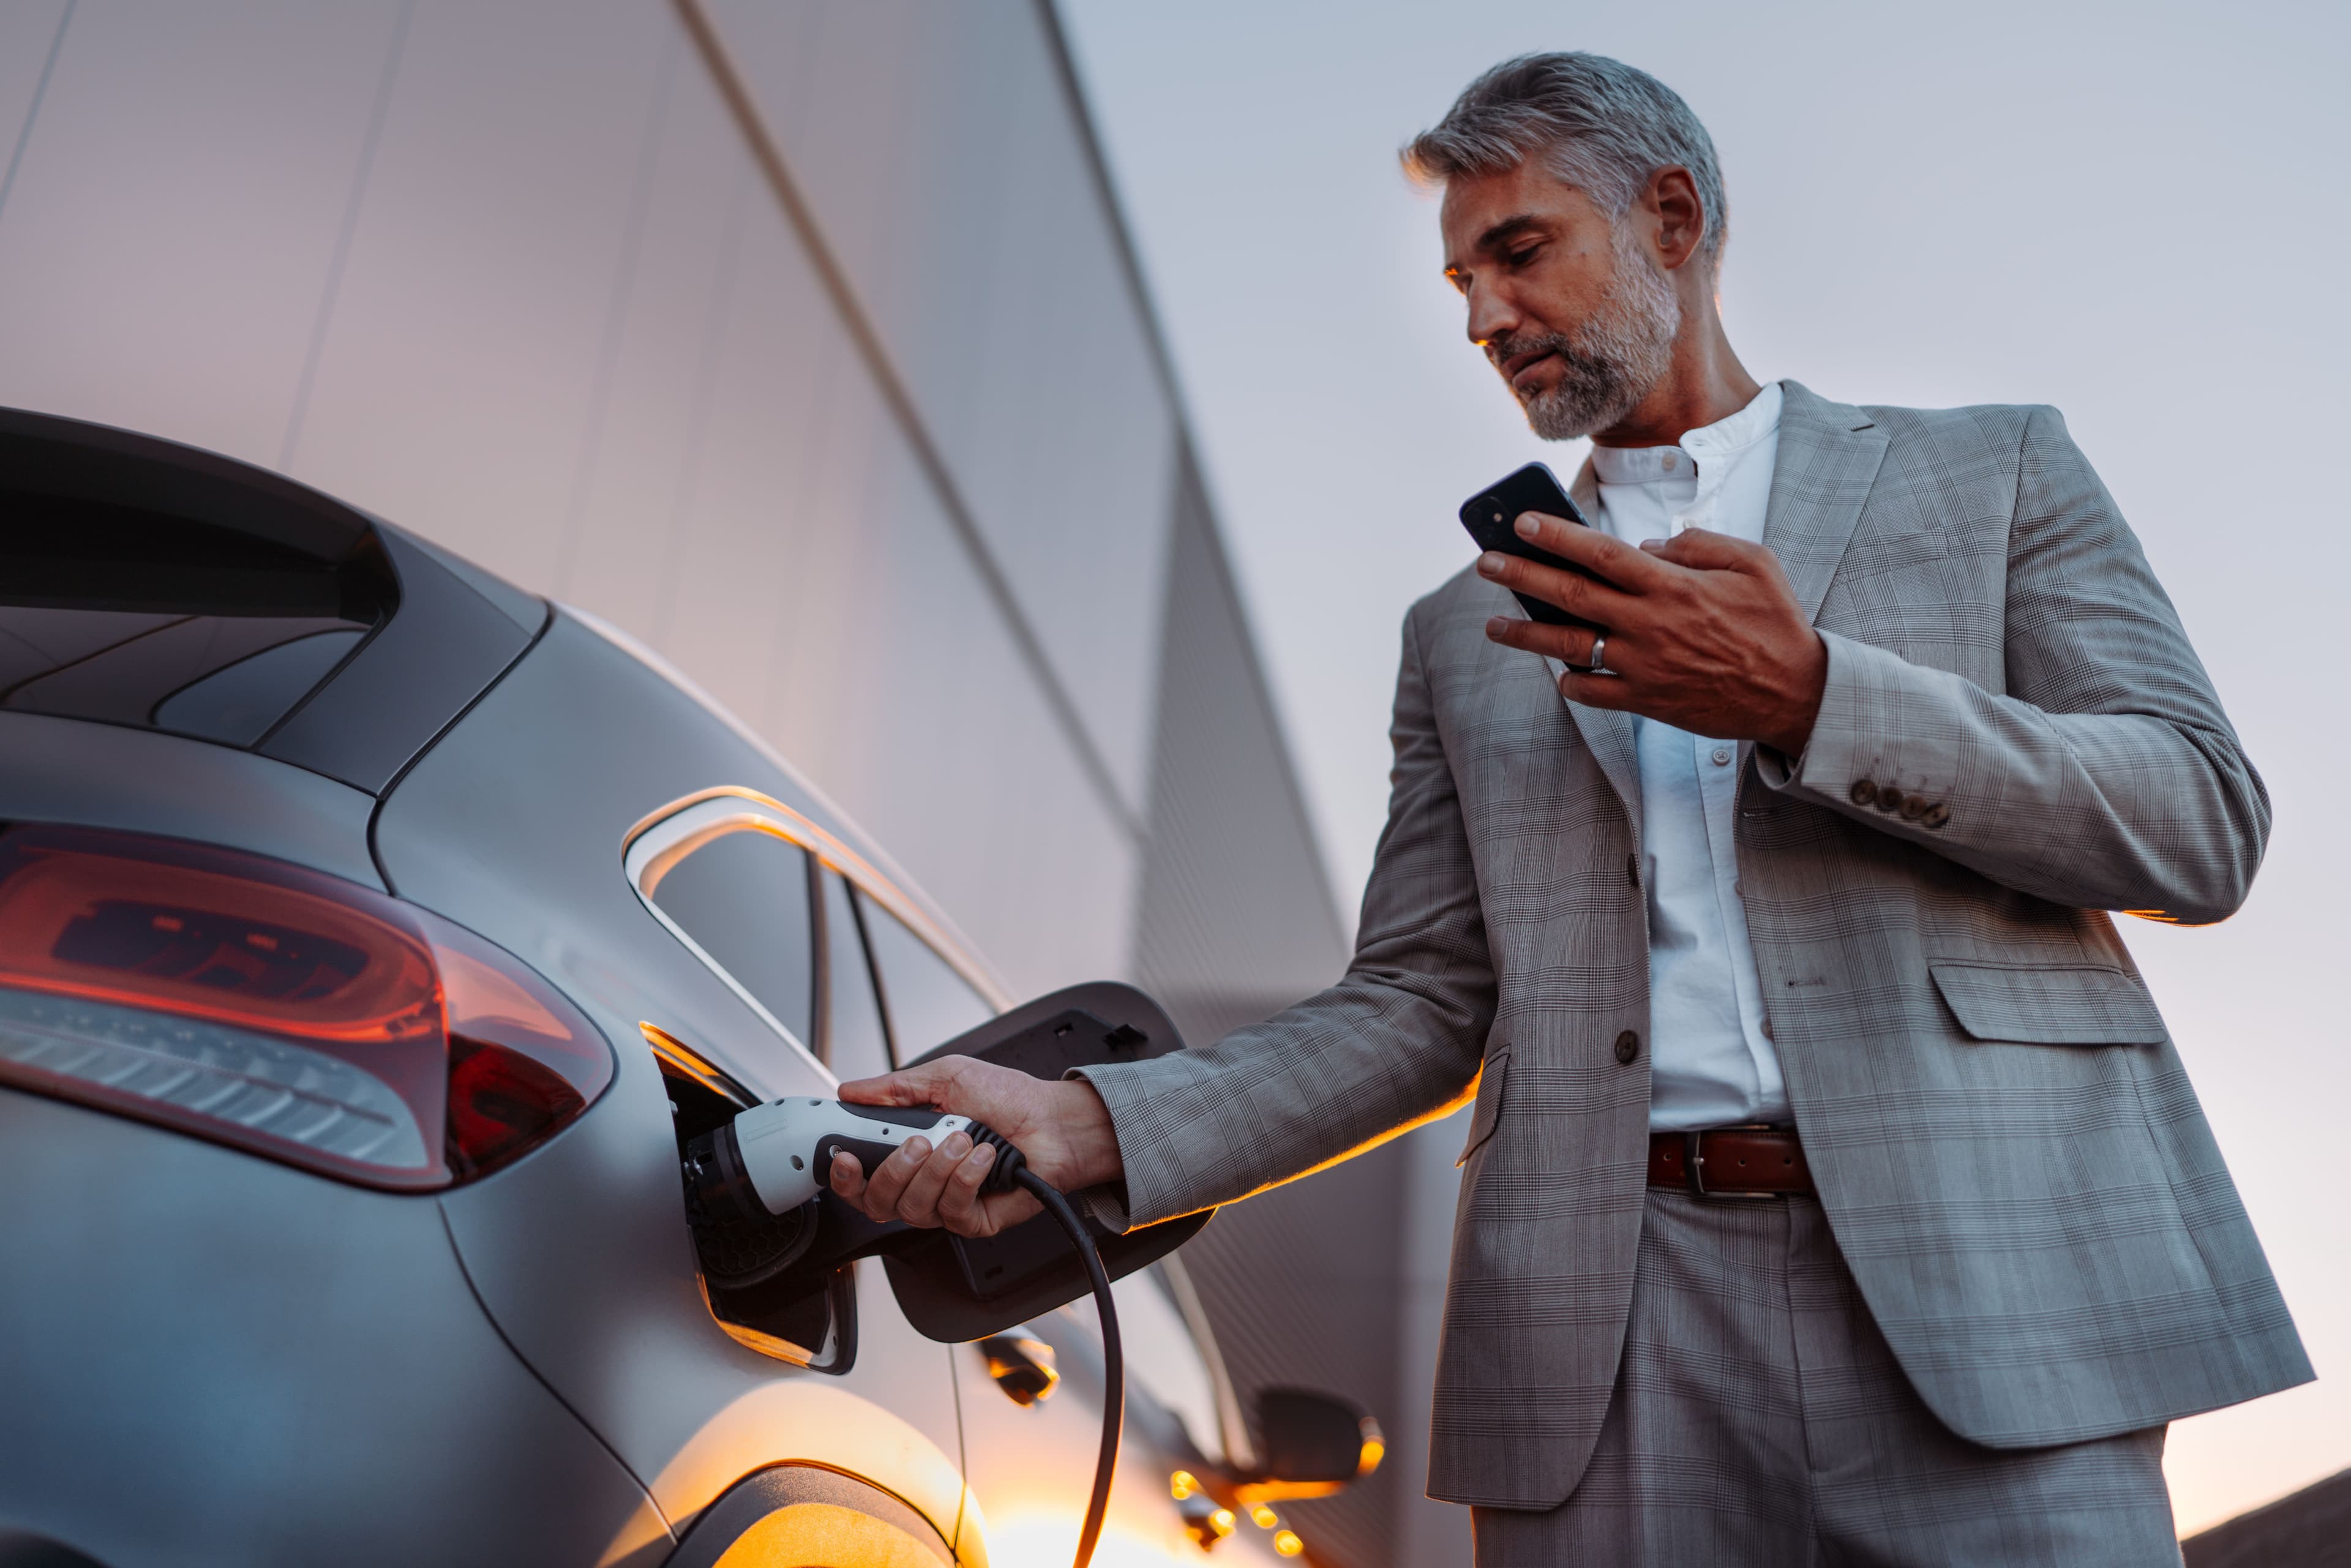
{"points": [[270, 1007]]}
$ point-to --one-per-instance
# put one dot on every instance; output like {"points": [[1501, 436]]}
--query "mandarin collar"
{"points": [[1724, 438]]}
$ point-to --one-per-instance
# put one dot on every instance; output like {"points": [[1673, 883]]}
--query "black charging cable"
{"points": [[1011, 1170]]}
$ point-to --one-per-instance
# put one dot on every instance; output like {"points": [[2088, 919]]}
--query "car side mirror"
{"points": [[1309, 1443]]}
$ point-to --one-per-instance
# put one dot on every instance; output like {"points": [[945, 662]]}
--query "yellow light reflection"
{"points": [[1041, 1540], [1265, 1517], [1222, 1520], [1286, 1541], [1183, 1484]]}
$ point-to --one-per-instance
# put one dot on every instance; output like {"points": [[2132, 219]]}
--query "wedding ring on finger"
{"points": [[1598, 664]]}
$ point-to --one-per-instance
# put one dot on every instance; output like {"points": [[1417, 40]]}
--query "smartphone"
{"points": [[1491, 516]]}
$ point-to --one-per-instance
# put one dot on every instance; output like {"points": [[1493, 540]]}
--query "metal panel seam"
{"points": [[1189, 466], [33, 111], [1189, 471], [499, 1329], [375, 816], [1130, 258], [769, 154], [381, 112]]}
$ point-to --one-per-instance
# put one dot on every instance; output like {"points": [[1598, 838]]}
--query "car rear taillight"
{"points": [[278, 1010]]}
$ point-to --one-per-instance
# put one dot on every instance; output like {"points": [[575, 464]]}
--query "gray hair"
{"points": [[1600, 125]]}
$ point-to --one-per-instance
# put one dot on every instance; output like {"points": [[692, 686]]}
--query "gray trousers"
{"points": [[1758, 1420]]}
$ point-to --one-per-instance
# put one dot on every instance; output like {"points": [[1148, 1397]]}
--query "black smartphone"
{"points": [[1491, 516]]}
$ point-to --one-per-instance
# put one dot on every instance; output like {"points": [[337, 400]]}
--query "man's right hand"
{"points": [[1062, 1125]]}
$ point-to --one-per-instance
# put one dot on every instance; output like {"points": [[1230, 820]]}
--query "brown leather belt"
{"points": [[1730, 1162]]}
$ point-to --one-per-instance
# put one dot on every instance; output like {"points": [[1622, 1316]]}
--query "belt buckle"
{"points": [[1694, 1167]]}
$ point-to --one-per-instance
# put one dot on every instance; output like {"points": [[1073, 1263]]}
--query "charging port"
{"points": [[755, 1280]]}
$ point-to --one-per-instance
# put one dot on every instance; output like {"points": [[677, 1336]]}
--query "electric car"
{"points": [[373, 936]]}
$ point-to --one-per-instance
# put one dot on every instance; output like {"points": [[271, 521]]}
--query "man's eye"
{"points": [[1521, 257]]}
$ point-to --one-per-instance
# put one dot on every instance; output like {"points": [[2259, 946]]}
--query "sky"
{"points": [[2135, 212]]}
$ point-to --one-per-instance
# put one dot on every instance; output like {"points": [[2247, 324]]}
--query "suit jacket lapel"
{"points": [[1828, 458], [1607, 733], [1829, 454]]}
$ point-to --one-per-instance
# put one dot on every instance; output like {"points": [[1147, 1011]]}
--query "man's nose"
{"points": [[1491, 316]]}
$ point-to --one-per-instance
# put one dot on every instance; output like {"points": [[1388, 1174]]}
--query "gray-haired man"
{"points": [[1818, 835]]}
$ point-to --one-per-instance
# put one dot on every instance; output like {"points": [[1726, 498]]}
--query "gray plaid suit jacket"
{"points": [[2004, 1140]]}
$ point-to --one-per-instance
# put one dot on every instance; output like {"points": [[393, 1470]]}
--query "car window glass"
{"points": [[928, 1002], [140, 669], [238, 703], [859, 1049], [744, 899]]}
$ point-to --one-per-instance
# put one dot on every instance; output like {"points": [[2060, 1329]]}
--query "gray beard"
{"points": [[1616, 356]]}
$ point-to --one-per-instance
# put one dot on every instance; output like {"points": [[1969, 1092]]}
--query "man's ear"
{"points": [[1672, 201]]}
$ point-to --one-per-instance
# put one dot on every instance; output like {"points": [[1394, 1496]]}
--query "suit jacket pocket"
{"points": [[1869, 554], [2090, 1004], [1489, 1109]]}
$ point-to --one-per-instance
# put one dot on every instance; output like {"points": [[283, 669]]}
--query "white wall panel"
{"points": [[754, 512], [935, 144], [740, 567], [655, 370], [907, 701], [166, 243], [454, 384]]}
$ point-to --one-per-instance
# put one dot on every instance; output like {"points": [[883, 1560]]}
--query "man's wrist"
{"points": [[1093, 1139], [1789, 738]]}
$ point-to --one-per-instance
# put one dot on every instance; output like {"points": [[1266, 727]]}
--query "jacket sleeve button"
{"points": [[1628, 1046], [1913, 807], [1936, 815], [1864, 792], [1889, 799]]}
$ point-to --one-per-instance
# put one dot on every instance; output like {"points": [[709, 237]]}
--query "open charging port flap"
{"points": [[954, 1288]]}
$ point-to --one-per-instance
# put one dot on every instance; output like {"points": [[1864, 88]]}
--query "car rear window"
{"points": [[112, 613]]}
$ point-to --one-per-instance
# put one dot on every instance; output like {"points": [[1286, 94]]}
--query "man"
{"points": [[1813, 841]]}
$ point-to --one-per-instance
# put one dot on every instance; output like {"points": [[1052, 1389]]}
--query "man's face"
{"points": [[1569, 307]]}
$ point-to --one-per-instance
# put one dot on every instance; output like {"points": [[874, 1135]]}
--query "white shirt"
{"points": [[1710, 1063]]}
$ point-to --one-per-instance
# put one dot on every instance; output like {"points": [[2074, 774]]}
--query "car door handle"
{"points": [[1022, 1366]]}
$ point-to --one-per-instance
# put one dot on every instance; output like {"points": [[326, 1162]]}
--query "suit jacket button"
{"points": [[1936, 815], [1889, 799], [1864, 791], [1628, 1046], [1913, 807]]}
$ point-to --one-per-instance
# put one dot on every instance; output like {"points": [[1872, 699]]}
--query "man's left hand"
{"points": [[1703, 631]]}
